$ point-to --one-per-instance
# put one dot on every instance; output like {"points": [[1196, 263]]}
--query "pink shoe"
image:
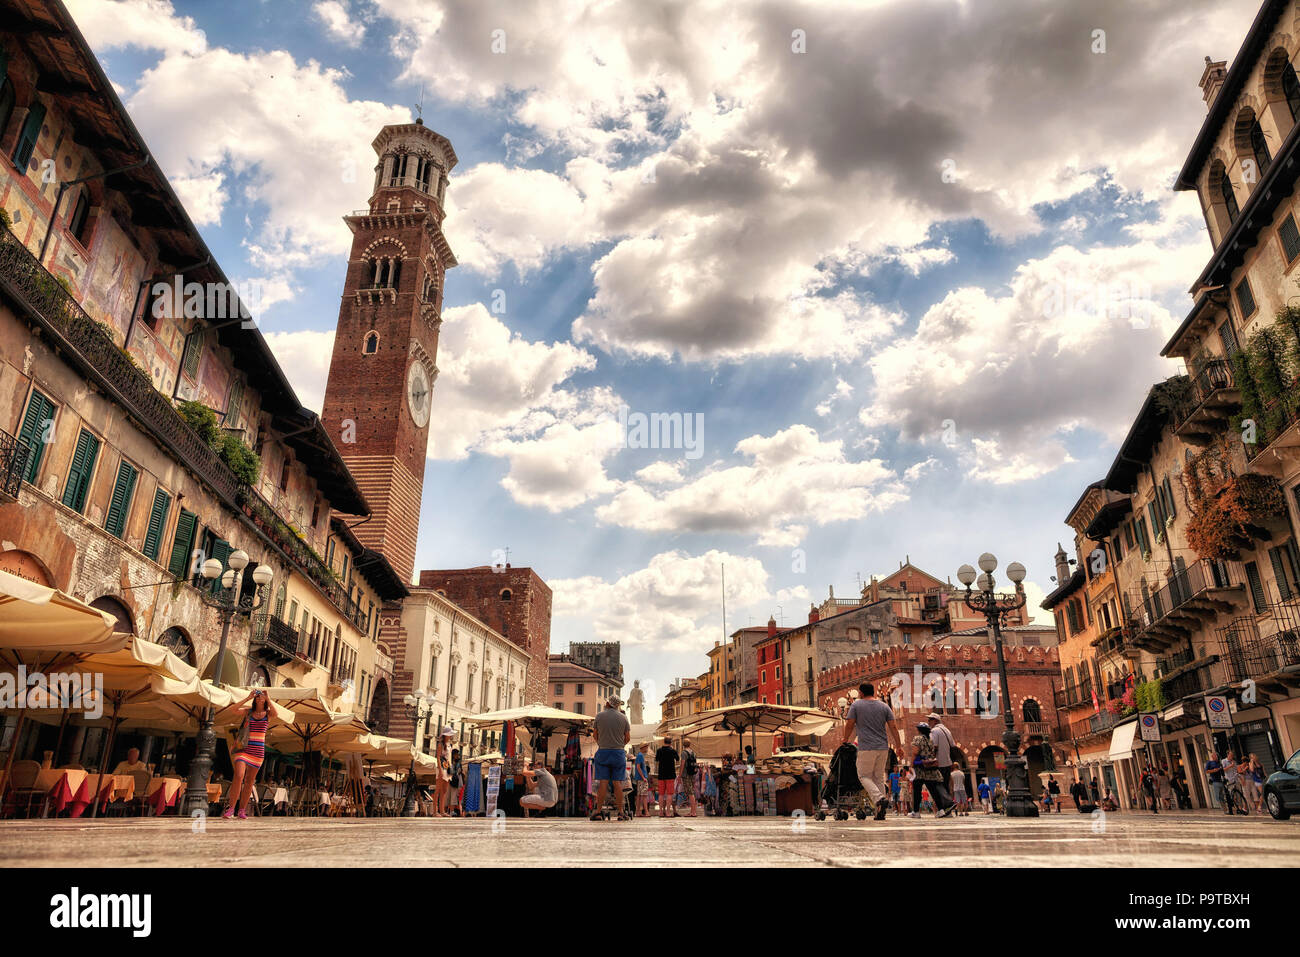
{"points": [[243, 815], [228, 814]]}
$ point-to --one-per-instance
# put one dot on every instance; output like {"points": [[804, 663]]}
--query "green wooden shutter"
{"points": [[1279, 573], [162, 503], [220, 551], [193, 350], [1169, 499], [83, 466], [1256, 585], [30, 134], [40, 410], [119, 505], [182, 542]]}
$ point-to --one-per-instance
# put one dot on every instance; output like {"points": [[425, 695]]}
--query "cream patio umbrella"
{"points": [[541, 720], [42, 629], [314, 721], [752, 717]]}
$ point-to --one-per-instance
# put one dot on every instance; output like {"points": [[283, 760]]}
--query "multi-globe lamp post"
{"points": [[1019, 801], [419, 708], [228, 603]]}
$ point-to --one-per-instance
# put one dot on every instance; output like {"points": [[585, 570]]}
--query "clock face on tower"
{"points": [[417, 394]]}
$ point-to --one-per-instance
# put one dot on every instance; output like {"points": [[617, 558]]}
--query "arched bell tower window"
{"points": [[388, 273], [372, 343]]}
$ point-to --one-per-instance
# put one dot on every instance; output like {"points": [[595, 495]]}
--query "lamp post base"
{"points": [[1019, 801], [196, 787], [410, 809]]}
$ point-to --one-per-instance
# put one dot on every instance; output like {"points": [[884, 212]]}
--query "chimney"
{"points": [[812, 614], [875, 589], [1212, 79], [1062, 565], [771, 627]]}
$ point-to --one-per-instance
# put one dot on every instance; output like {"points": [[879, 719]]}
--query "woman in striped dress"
{"points": [[248, 760]]}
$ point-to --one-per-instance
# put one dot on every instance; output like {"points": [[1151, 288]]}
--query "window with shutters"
{"points": [[193, 352], [1245, 299], [31, 132], [1256, 585], [79, 218], [233, 402], [1170, 510], [83, 468], [119, 506], [38, 425], [1291, 90], [1228, 336], [182, 543], [1285, 571], [1290, 238], [202, 552], [162, 503], [220, 551]]}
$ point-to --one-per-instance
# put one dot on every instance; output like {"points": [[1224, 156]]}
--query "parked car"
{"points": [[1282, 789]]}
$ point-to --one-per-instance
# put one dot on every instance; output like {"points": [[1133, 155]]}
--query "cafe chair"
{"points": [[23, 783], [142, 779]]}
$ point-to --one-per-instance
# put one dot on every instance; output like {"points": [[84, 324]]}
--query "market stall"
{"points": [[530, 729]]}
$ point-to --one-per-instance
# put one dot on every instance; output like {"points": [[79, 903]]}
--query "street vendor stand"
{"points": [[531, 728]]}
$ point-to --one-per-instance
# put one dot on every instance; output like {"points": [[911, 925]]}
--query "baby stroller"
{"points": [[843, 792]]}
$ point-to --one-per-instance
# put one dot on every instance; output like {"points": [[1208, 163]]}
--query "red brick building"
{"points": [[514, 601], [975, 722], [771, 667]]}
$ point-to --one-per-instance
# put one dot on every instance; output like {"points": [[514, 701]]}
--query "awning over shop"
{"points": [[1121, 741]]}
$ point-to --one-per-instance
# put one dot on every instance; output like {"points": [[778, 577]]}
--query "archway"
{"points": [[114, 607], [178, 643], [25, 565], [379, 708], [259, 677], [229, 670], [991, 763]]}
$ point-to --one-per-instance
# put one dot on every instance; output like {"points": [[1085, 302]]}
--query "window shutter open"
{"points": [[182, 542], [120, 504], [40, 410], [157, 521], [83, 466], [30, 134], [220, 551], [1279, 573]]}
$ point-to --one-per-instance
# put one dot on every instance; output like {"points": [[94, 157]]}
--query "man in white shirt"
{"points": [[944, 746], [132, 763]]}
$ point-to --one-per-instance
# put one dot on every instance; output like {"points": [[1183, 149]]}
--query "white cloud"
{"points": [[147, 24], [842, 391], [794, 479], [305, 358], [672, 604], [339, 22], [1074, 344]]}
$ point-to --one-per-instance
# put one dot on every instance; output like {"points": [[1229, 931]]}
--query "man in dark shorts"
{"points": [[666, 761], [613, 732]]}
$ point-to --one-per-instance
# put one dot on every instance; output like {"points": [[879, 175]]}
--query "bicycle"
{"points": [[1234, 799]]}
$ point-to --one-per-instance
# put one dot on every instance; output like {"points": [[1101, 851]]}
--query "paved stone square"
{"points": [[1064, 840]]}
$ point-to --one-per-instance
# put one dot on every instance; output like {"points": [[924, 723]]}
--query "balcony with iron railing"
{"points": [[1266, 647], [1276, 431], [1209, 406], [1186, 603], [14, 456], [275, 640]]}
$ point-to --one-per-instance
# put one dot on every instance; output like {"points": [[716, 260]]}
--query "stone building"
{"points": [[602, 656], [133, 414], [577, 689], [1196, 537]]}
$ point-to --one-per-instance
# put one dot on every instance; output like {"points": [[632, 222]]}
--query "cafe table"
{"points": [[162, 793], [61, 786], [116, 787]]}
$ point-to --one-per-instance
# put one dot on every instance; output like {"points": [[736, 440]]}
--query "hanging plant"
{"points": [[1173, 394], [1233, 517], [1149, 696], [1251, 406]]}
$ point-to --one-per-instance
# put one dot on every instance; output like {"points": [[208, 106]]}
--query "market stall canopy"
{"points": [[313, 720], [753, 717], [44, 621], [536, 717]]}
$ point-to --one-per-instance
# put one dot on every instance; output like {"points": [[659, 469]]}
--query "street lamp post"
{"points": [[419, 708], [1019, 801], [228, 604]]}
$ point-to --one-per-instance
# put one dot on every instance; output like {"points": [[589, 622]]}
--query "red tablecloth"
{"points": [[64, 784], [162, 793]]}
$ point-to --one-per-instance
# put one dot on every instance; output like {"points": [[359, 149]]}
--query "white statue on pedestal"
{"points": [[635, 702]]}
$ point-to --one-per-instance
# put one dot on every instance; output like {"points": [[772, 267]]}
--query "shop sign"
{"points": [[1217, 713]]}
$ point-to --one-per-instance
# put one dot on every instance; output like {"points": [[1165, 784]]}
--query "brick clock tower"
{"points": [[381, 378]]}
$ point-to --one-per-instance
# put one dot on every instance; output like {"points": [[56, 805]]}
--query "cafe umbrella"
{"points": [[753, 717], [42, 630]]}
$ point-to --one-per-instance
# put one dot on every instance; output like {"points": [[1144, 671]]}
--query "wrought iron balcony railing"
{"points": [[1209, 404], [1258, 646], [14, 456]]}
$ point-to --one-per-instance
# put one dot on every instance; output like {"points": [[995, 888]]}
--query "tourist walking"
{"points": [[1214, 774], [1148, 785], [986, 795], [928, 775], [442, 788], [1055, 790], [1249, 789], [895, 784], [1078, 794], [1255, 772], [1165, 787], [868, 721], [613, 732], [1236, 798], [666, 759], [251, 753]]}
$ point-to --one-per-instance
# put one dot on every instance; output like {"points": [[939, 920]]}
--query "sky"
{"points": [[906, 267]]}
